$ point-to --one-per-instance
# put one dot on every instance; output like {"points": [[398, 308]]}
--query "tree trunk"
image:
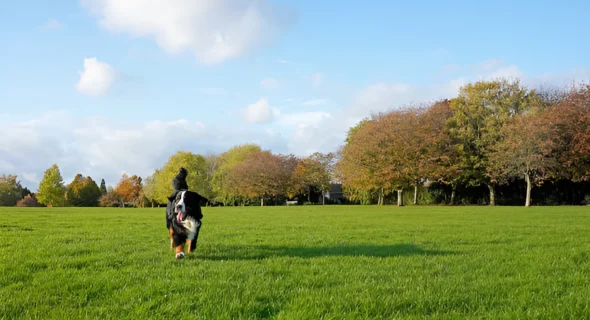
{"points": [[400, 197], [453, 194], [529, 187], [323, 198], [309, 194], [492, 195], [380, 201], [262, 202], [416, 194]]}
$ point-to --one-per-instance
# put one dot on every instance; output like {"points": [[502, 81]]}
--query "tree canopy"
{"points": [[51, 188]]}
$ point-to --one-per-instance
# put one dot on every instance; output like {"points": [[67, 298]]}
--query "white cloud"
{"points": [[103, 148], [283, 61], [269, 83], [317, 79], [53, 24], [96, 79], [212, 30], [315, 102], [260, 112]]}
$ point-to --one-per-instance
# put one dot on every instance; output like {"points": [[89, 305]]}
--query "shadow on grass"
{"points": [[265, 252]]}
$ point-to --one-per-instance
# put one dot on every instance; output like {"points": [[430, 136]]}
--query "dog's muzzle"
{"points": [[180, 208]]}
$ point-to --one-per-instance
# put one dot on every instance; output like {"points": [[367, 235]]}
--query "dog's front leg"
{"points": [[189, 245], [180, 251], [171, 232]]}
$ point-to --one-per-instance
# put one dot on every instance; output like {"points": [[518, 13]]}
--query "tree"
{"points": [[314, 171], [83, 192], [196, 179], [571, 122], [262, 175], [11, 190], [129, 188], [439, 161], [402, 149], [225, 163], [149, 188], [212, 164], [110, 199], [526, 151], [359, 162], [480, 112], [103, 187], [29, 200], [51, 188]]}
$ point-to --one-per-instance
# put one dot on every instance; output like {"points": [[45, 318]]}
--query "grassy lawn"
{"points": [[310, 262]]}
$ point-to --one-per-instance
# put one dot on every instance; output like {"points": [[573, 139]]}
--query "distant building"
{"points": [[336, 194]]}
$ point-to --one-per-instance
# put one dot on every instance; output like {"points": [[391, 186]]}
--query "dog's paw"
{"points": [[180, 255]]}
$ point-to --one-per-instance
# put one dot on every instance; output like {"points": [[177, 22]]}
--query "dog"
{"points": [[183, 215]]}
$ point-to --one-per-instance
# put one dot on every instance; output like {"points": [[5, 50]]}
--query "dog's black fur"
{"points": [[192, 201], [179, 181]]}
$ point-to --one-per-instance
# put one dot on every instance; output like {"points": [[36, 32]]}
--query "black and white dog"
{"points": [[183, 215]]}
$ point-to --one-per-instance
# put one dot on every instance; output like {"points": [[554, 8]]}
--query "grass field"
{"points": [[311, 262]]}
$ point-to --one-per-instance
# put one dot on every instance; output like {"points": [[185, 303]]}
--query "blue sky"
{"points": [[103, 87]]}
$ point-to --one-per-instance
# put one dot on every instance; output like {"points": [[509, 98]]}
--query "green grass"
{"points": [[311, 262]]}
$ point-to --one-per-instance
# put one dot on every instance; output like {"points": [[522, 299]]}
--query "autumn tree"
{"points": [[29, 200], [11, 190], [360, 160], [225, 163], [110, 199], [261, 175], [480, 112], [571, 122], [129, 188], [314, 171], [51, 188], [439, 157], [527, 151]]}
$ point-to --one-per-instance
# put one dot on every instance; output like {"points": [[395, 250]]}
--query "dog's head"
{"points": [[188, 204]]}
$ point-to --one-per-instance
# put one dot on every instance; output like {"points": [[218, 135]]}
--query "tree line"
{"points": [[493, 134], [243, 175], [497, 141]]}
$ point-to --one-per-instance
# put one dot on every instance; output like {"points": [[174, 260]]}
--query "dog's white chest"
{"points": [[191, 225]]}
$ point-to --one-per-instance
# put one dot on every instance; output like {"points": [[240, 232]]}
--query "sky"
{"points": [[103, 87]]}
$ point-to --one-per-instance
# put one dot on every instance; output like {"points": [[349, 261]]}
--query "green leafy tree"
{"points": [[51, 188], [195, 164], [103, 187], [480, 112], [11, 190], [83, 192]]}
